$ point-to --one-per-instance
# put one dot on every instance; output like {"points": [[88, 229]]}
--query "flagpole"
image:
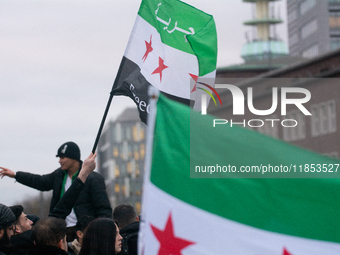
{"points": [[153, 94], [102, 123]]}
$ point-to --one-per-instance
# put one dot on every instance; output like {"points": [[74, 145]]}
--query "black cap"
{"points": [[17, 210], [69, 150], [7, 217]]}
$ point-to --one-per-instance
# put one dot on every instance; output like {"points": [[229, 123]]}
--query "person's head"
{"points": [[7, 226], [22, 223], [51, 232], [101, 237], [124, 215], [81, 225], [69, 155]]}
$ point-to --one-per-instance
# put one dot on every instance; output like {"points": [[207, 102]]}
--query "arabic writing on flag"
{"points": [[256, 216], [171, 42]]}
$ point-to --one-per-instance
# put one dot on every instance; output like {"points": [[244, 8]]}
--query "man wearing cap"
{"points": [[21, 240], [92, 200], [7, 229]]}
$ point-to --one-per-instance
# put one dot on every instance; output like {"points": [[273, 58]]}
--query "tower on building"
{"points": [[264, 44]]}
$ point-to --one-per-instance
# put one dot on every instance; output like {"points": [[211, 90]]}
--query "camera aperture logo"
{"points": [[199, 85], [207, 91]]}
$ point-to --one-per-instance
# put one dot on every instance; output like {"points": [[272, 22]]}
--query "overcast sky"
{"points": [[58, 60]]}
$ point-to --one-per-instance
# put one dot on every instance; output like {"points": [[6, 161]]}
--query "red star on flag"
{"points": [[160, 68], [285, 252], [169, 244], [148, 49]]}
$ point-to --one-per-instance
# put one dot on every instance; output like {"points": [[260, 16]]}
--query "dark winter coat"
{"points": [[22, 243], [46, 250], [5, 250], [130, 238], [92, 200]]}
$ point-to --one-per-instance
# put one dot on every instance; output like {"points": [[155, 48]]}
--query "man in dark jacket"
{"points": [[21, 241], [93, 199]]}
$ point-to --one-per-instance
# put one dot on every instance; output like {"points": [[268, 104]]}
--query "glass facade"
{"points": [[121, 159]]}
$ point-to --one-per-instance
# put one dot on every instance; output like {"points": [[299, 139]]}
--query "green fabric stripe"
{"points": [[300, 207], [203, 43], [64, 181]]}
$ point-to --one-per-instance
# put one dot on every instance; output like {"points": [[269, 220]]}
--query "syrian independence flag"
{"points": [[171, 43], [237, 216]]}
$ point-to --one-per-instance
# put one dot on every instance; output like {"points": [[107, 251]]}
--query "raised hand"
{"points": [[88, 167], [6, 172]]}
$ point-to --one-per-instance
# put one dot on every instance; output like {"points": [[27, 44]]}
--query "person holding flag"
{"points": [[171, 44]]}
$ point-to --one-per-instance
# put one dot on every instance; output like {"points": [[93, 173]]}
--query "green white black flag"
{"points": [[238, 216], [171, 43]]}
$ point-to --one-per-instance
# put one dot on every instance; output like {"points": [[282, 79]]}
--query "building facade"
{"points": [[121, 152], [313, 27], [318, 132]]}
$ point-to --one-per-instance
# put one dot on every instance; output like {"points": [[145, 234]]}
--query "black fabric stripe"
{"points": [[130, 82]]}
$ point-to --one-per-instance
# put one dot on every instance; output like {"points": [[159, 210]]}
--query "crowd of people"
{"points": [[81, 220]]}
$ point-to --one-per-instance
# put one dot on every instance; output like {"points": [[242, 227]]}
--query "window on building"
{"points": [[270, 126], [335, 43], [136, 151], [309, 28], [311, 51], [298, 132], [122, 167], [128, 133], [142, 150], [127, 187], [142, 134], [137, 171], [133, 169], [117, 188], [292, 16], [138, 207], [306, 5], [111, 169], [115, 151], [334, 20], [293, 39], [124, 151], [129, 167], [315, 120], [118, 133], [117, 171], [123, 190], [323, 118], [331, 116], [136, 132]]}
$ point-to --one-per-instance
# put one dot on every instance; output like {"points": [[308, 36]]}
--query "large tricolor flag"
{"points": [[170, 44], [233, 216]]}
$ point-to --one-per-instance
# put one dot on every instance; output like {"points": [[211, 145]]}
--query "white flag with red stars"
{"points": [[189, 212], [171, 44]]}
